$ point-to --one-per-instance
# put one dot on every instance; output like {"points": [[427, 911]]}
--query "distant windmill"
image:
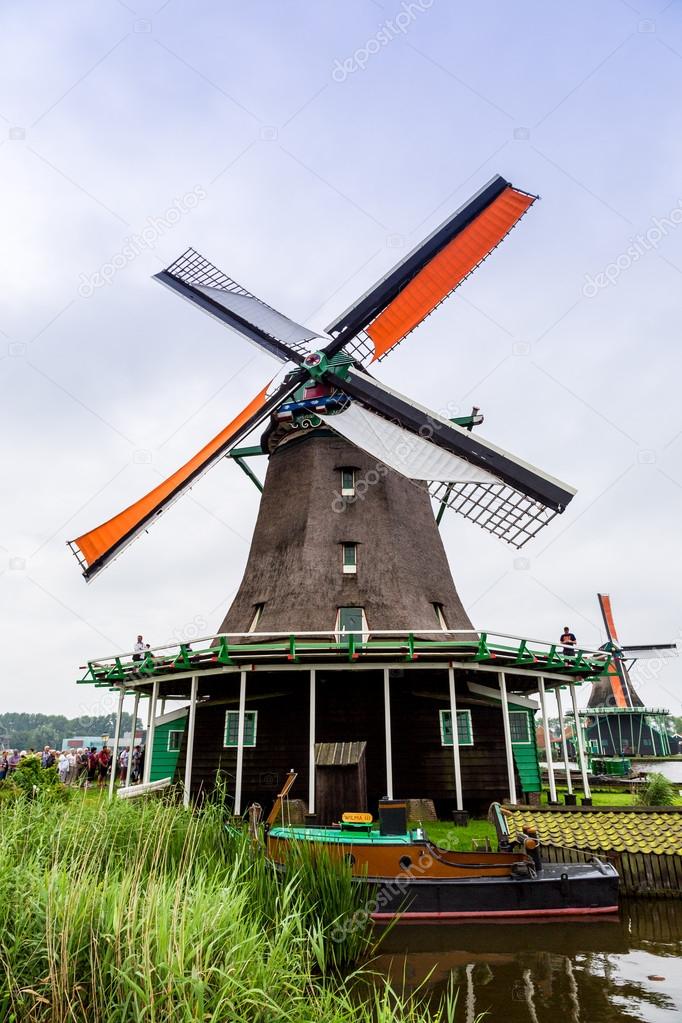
{"points": [[616, 718]]}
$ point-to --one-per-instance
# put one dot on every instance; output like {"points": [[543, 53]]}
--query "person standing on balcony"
{"points": [[138, 649], [568, 641]]}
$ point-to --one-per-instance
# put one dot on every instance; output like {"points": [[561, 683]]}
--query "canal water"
{"points": [[611, 971], [672, 769]]}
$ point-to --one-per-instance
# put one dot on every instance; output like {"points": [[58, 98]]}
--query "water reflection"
{"points": [[574, 972]]}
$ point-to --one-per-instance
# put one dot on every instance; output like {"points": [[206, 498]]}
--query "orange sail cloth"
{"points": [[447, 270], [103, 539], [612, 672]]}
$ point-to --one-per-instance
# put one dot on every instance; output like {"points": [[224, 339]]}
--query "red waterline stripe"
{"points": [[379, 917]]}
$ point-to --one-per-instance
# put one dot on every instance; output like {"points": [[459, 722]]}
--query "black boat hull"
{"points": [[560, 889]]}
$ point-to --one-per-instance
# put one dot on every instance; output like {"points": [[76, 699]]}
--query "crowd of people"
{"points": [[85, 766]]}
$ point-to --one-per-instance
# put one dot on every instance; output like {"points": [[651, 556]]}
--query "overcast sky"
{"points": [[304, 147]]}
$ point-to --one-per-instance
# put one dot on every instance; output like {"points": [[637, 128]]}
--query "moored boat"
{"points": [[409, 876]]}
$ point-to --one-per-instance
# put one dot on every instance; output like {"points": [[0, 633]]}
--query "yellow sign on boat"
{"points": [[357, 818]]}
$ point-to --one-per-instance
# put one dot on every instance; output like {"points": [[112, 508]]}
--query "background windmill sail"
{"points": [[487, 485]]}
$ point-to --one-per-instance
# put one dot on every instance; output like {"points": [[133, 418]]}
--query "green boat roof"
{"points": [[340, 836]]}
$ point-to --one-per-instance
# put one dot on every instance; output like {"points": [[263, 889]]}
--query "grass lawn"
{"points": [[447, 836], [620, 798]]}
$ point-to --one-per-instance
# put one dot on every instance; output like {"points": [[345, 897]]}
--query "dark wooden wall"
{"points": [[350, 708]]}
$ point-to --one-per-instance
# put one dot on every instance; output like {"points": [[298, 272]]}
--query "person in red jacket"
{"points": [[103, 763]]}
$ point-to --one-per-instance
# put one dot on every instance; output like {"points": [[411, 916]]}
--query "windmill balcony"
{"points": [[482, 650]]}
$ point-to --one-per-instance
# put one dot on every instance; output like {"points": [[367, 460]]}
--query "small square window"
{"points": [[465, 735], [350, 558], [231, 736], [518, 726], [348, 482], [174, 740]]}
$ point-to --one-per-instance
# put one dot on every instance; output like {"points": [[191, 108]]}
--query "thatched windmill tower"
{"points": [[346, 543]]}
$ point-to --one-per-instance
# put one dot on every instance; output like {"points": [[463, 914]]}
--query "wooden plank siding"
{"points": [[659, 875], [165, 761], [350, 708]]}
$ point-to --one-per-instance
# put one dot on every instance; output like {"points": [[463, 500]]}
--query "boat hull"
{"points": [[559, 890]]}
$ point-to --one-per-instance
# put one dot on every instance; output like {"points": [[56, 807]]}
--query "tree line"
{"points": [[34, 731]]}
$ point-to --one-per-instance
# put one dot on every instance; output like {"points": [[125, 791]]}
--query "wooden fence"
{"points": [[640, 873]]}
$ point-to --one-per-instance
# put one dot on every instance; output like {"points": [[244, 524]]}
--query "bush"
{"points": [[32, 779], [656, 791]]}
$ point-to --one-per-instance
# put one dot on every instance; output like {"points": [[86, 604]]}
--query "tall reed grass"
{"points": [[124, 912]]}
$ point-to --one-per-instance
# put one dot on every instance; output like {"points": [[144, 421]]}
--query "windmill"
{"points": [[487, 485], [616, 720], [346, 540]]}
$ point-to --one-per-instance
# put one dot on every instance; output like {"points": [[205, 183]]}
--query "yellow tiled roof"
{"points": [[622, 831]]}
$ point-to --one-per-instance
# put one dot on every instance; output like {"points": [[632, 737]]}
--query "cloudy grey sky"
{"points": [[315, 145]]}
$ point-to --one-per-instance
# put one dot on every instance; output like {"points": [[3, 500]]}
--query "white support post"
{"points": [[189, 746], [455, 740], [151, 728], [311, 743], [133, 729], [117, 736], [564, 746], [240, 744], [507, 738], [548, 741], [387, 731], [579, 744]]}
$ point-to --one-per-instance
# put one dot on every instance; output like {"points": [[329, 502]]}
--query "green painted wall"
{"points": [[526, 758], [165, 761]]}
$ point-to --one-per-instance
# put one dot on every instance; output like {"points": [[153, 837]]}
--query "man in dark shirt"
{"points": [[568, 640]]}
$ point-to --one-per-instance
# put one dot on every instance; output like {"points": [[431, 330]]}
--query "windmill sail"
{"points": [[398, 303], [655, 652], [501, 494], [96, 548], [198, 281]]}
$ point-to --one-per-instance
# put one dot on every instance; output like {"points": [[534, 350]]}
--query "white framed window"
{"points": [[465, 735], [350, 558], [174, 740], [519, 726], [348, 482], [440, 617], [231, 735], [258, 611]]}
